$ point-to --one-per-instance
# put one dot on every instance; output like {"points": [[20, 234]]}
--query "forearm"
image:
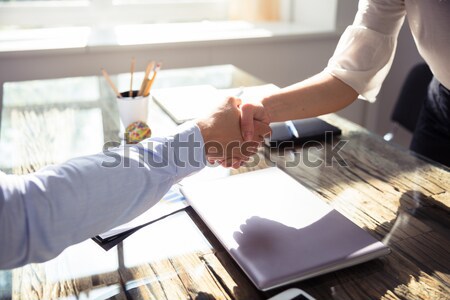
{"points": [[43, 213], [318, 95]]}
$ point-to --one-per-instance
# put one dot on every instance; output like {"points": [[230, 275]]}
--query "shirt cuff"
{"points": [[189, 150]]}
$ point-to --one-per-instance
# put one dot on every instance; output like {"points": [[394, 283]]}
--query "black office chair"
{"points": [[409, 103]]}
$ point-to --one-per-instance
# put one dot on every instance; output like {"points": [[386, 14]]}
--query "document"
{"points": [[170, 204], [190, 102]]}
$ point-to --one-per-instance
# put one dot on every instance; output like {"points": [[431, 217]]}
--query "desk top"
{"points": [[395, 196]]}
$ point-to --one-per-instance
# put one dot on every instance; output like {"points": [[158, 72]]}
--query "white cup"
{"points": [[132, 109]]}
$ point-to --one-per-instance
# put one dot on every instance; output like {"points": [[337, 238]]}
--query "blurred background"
{"points": [[279, 41]]}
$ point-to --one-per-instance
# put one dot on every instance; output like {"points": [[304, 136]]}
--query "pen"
{"points": [[240, 92], [292, 128]]}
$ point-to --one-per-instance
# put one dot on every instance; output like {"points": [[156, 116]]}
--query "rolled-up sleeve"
{"points": [[364, 54], [43, 213]]}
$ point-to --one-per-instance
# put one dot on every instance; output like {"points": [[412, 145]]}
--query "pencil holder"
{"points": [[132, 109]]}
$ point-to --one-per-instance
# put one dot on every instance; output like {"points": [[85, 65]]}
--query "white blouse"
{"points": [[365, 51]]}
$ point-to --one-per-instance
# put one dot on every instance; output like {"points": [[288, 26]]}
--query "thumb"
{"points": [[247, 125], [234, 101]]}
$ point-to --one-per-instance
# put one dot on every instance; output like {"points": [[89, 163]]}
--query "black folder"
{"points": [[300, 131]]}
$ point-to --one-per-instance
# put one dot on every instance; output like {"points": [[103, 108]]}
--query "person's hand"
{"points": [[222, 135], [252, 114]]}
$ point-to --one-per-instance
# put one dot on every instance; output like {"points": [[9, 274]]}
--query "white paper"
{"points": [[170, 203]]}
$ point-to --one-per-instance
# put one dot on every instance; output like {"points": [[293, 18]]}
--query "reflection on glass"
{"points": [[82, 261], [104, 292], [46, 92], [171, 237], [221, 77], [5, 284], [38, 138]]}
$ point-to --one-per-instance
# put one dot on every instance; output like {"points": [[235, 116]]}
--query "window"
{"points": [[61, 24], [104, 13], [108, 13]]}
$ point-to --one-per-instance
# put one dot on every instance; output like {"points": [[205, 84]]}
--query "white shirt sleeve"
{"points": [[43, 213], [364, 54]]}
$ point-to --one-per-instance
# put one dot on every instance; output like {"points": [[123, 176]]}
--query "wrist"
{"points": [[206, 132]]}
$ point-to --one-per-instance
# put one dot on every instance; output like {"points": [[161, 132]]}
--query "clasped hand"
{"points": [[234, 132]]}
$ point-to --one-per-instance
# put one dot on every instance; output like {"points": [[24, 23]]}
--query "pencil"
{"points": [[133, 61], [105, 74], [150, 83], [143, 86], [150, 67]]}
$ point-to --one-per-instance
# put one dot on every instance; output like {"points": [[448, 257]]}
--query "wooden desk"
{"points": [[395, 196]]}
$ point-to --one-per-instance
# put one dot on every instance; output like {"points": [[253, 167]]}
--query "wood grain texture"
{"points": [[397, 197]]}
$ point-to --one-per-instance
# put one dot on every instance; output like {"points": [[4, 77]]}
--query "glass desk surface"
{"points": [[396, 196]]}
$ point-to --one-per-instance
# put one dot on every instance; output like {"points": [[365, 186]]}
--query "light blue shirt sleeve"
{"points": [[43, 213]]}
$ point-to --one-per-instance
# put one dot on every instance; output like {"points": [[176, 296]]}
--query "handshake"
{"points": [[233, 132]]}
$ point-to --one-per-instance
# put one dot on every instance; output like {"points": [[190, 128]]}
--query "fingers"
{"points": [[250, 113], [262, 130], [238, 150], [223, 135], [234, 163], [257, 110]]}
